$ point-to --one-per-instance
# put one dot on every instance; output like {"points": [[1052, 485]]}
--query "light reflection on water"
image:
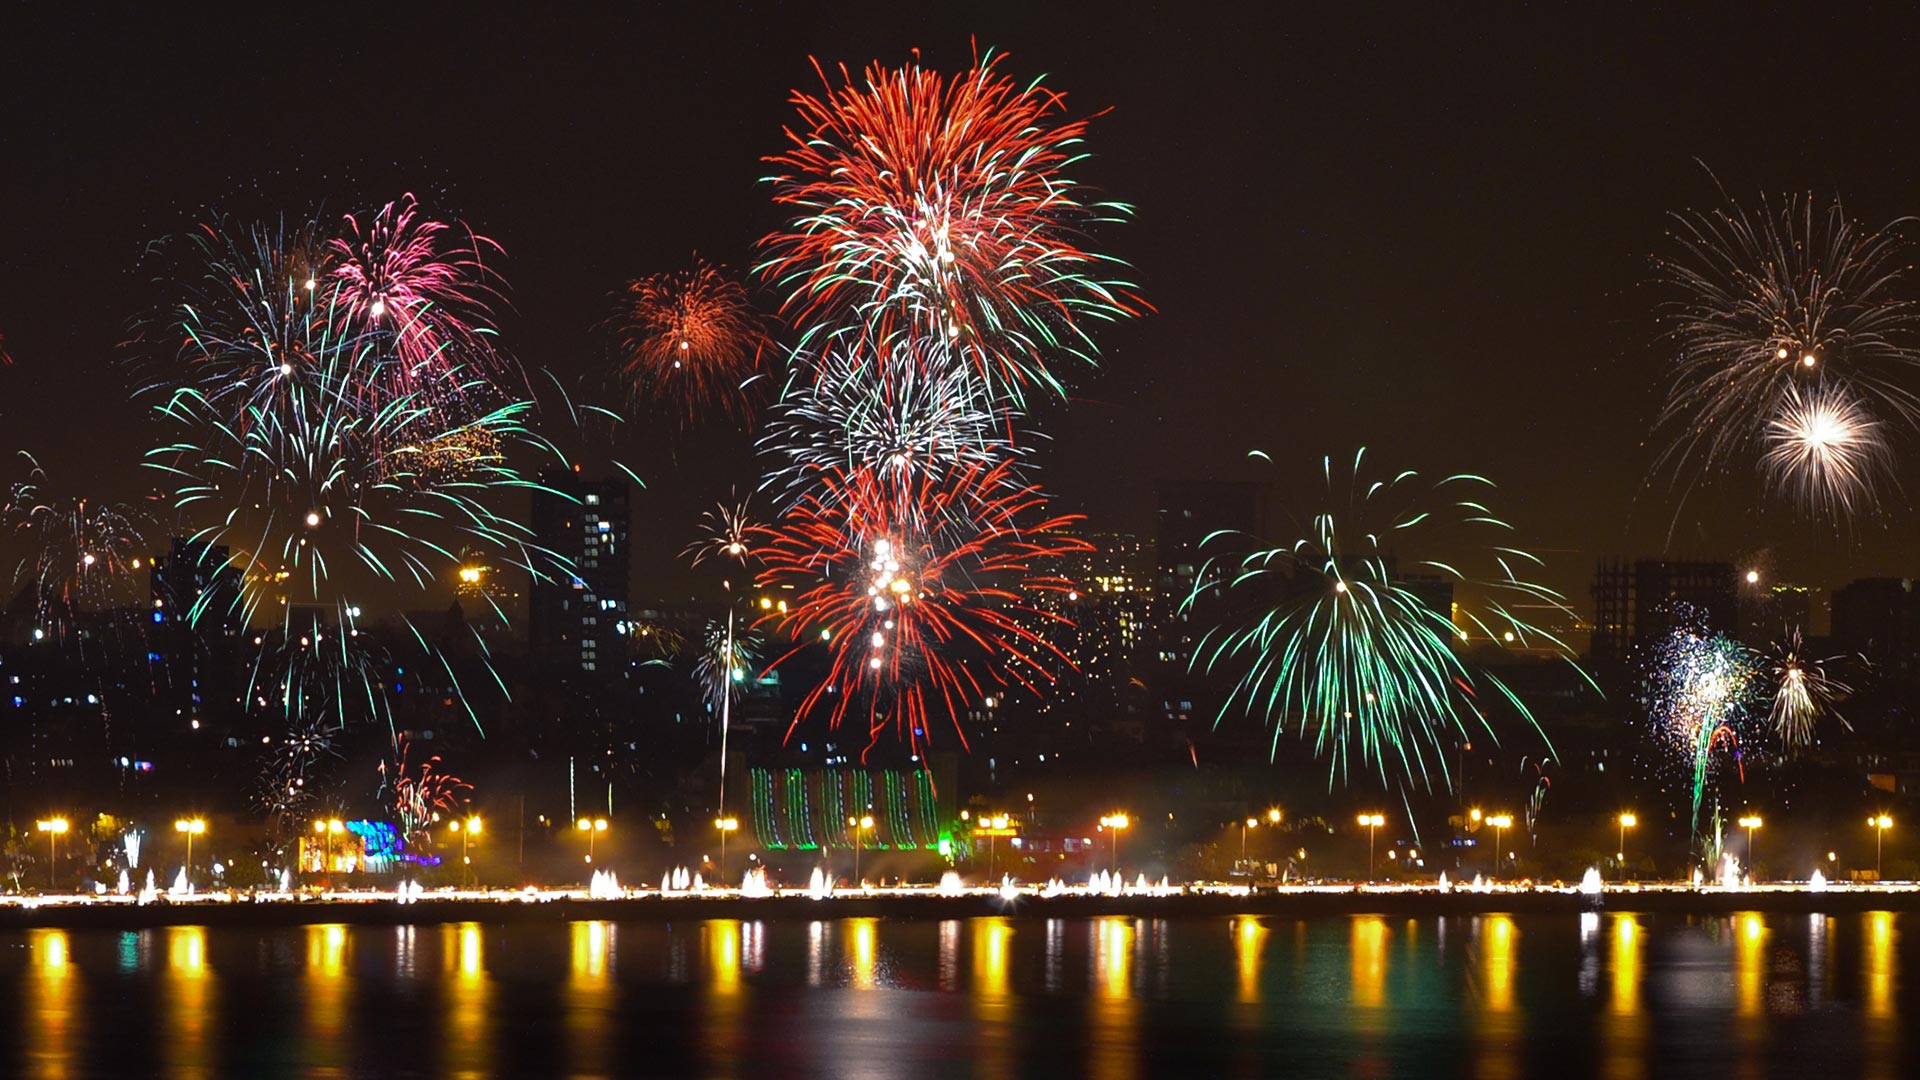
{"points": [[1119, 997]]}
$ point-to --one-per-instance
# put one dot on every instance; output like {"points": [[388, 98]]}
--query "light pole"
{"points": [[725, 825], [1627, 821], [1244, 826], [861, 825], [55, 828], [1750, 823], [1879, 823], [591, 827], [192, 827], [1115, 822], [466, 829], [993, 827], [1372, 822], [1500, 823]]}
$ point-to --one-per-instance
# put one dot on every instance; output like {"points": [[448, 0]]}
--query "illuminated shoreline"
{"points": [[531, 905]]}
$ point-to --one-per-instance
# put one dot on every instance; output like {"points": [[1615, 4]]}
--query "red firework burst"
{"points": [[420, 286], [920, 616], [690, 337], [929, 207]]}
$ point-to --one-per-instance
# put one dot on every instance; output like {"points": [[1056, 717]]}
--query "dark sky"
{"points": [[1419, 231]]}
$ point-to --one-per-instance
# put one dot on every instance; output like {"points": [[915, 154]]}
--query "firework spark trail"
{"points": [[1700, 690], [691, 338], [1348, 643], [929, 208], [917, 625], [1776, 313]]}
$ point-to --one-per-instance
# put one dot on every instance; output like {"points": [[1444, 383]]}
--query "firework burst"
{"points": [[918, 624], [1783, 319], [936, 208], [726, 534], [1803, 692], [691, 338], [726, 660], [1354, 640], [1700, 694], [911, 412], [1826, 451], [313, 481], [417, 288], [418, 791], [81, 553]]}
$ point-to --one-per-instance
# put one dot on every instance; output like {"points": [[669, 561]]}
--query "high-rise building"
{"points": [[1190, 511], [1636, 603], [196, 622], [1879, 618], [577, 612]]}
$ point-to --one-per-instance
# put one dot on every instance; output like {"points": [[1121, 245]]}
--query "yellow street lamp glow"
{"points": [[1252, 822], [1628, 821], [866, 821], [335, 825], [55, 828], [1879, 823], [726, 824], [473, 824], [1501, 821], [1473, 815], [1371, 823], [1751, 821], [191, 826], [1273, 816]]}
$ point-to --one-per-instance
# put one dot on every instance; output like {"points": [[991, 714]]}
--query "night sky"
{"points": [[1418, 232]]}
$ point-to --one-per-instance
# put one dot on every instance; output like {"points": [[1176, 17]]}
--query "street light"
{"points": [[993, 827], [1627, 821], [1750, 823], [1117, 821], [1500, 823], [192, 827], [1371, 822], [1244, 826], [864, 822], [725, 825], [1879, 823], [596, 825], [466, 829], [55, 828]]}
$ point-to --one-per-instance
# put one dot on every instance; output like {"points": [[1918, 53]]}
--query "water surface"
{"points": [[1613, 995]]}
